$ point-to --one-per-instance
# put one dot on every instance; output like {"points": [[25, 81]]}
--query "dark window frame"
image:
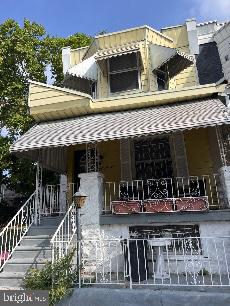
{"points": [[159, 73], [125, 70]]}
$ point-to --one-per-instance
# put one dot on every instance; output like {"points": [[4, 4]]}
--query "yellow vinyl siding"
{"points": [[198, 152], [120, 38], [187, 77], [48, 103], [76, 55], [110, 162], [197, 148], [155, 38], [109, 152]]}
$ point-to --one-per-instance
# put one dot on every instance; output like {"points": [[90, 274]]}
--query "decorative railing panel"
{"points": [[179, 193], [191, 261], [16, 229]]}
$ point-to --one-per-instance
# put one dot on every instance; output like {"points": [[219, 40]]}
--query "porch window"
{"points": [[153, 158], [183, 234], [124, 73]]}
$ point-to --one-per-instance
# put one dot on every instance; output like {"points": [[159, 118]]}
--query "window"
{"points": [[123, 73], [162, 80], [153, 158], [185, 238]]}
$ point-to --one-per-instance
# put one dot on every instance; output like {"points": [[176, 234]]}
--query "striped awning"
{"points": [[117, 51], [118, 125], [87, 69], [175, 60]]}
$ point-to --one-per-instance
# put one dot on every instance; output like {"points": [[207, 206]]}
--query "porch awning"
{"points": [[176, 60], [117, 51], [48, 141], [86, 69]]}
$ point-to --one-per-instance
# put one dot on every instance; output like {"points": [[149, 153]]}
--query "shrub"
{"points": [[58, 278], [203, 272]]}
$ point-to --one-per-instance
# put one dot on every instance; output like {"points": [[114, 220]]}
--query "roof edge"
{"points": [[71, 91], [132, 29]]}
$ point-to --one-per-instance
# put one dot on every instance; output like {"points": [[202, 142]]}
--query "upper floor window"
{"points": [[162, 80], [124, 73]]}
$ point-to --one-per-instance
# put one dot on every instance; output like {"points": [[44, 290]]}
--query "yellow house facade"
{"points": [[134, 129]]}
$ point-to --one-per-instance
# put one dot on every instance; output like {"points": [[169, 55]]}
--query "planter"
{"points": [[126, 207], [192, 204], [158, 205]]}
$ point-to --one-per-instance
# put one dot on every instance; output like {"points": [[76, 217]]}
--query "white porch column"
{"points": [[225, 183], [224, 173], [92, 185]]}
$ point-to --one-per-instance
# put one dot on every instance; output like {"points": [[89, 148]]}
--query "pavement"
{"points": [[147, 297]]}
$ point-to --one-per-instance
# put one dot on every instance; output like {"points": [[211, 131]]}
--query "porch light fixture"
{"points": [[79, 199]]}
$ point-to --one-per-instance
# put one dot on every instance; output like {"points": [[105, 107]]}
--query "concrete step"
{"points": [[53, 221], [23, 267], [11, 275], [11, 284], [11, 279], [41, 230], [32, 252], [39, 240]]}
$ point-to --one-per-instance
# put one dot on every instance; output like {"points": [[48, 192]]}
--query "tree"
{"points": [[25, 52]]}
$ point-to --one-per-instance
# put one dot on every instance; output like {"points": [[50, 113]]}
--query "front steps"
{"points": [[33, 252]]}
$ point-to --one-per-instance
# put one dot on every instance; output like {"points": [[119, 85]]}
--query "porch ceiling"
{"points": [[48, 141]]}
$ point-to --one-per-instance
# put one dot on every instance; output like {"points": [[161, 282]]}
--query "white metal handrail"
{"points": [[62, 238], [15, 230], [184, 261]]}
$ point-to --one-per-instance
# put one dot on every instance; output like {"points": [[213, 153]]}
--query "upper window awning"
{"points": [[87, 69], [117, 51], [170, 59]]}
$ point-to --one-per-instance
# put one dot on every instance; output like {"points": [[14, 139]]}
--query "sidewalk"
{"points": [[147, 297]]}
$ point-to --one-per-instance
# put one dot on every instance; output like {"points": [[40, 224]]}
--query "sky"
{"points": [[65, 17]]}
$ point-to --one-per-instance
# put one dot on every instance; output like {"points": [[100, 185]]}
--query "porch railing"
{"points": [[181, 189], [63, 237], [190, 261], [15, 230], [54, 199]]}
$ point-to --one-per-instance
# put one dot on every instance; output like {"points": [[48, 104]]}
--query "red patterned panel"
{"points": [[158, 205], [126, 207], [192, 204]]}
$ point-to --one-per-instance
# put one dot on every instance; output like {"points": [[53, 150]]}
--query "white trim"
{"points": [[171, 27], [71, 91], [133, 29], [76, 49], [155, 93]]}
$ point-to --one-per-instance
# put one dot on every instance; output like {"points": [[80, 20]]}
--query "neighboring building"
{"points": [[222, 38], [144, 131], [202, 44]]}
